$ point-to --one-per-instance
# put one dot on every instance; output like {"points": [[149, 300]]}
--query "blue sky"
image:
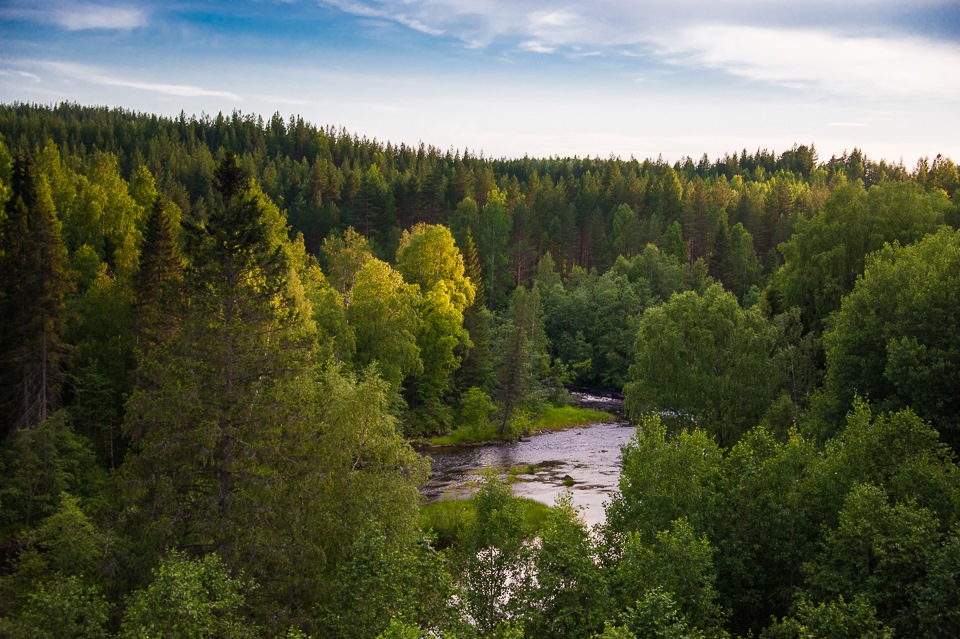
{"points": [[515, 77]]}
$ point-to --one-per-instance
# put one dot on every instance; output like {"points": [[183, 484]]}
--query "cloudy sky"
{"points": [[514, 77]]}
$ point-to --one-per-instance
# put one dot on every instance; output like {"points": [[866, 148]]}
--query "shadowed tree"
{"points": [[34, 285]]}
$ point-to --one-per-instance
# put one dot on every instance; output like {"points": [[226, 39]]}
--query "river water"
{"points": [[589, 456]]}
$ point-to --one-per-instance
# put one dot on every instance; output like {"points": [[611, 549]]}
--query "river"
{"points": [[588, 456]]}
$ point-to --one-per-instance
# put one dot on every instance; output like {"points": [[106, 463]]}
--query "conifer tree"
{"points": [[34, 285], [472, 268], [476, 367], [522, 347], [160, 275], [209, 413]]}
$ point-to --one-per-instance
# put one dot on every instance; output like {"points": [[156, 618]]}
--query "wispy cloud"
{"points": [[93, 16], [537, 47], [744, 38], [368, 10], [820, 60], [19, 74], [78, 16], [97, 76]]}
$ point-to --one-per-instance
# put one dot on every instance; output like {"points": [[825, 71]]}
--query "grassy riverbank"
{"points": [[559, 417], [450, 519], [553, 418]]}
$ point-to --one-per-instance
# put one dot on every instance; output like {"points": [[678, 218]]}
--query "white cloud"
{"points": [[19, 74], [96, 76], [365, 10], [553, 18], [76, 16], [93, 16], [820, 61], [752, 39], [536, 46]]}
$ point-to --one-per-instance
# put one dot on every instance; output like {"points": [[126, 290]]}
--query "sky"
{"points": [[508, 78]]}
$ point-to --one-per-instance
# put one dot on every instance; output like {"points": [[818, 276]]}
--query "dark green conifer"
{"points": [[159, 279], [34, 284]]}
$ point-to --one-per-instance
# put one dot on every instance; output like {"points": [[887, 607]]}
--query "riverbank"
{"points": [[540, 466], [553, 419], [449, 519]]}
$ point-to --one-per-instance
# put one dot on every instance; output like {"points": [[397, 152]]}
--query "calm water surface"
{"points": [[589, 455]]}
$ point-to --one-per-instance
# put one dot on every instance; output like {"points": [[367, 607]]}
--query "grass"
{"points": [[514, 472], [558, 417], [553, 418], [461, 436], [450, 519]]}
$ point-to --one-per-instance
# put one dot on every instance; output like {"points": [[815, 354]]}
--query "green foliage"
{"points": [[399, 630], [521, 345], [679, 565], [764, 522], [345, 256], [214, 400], [492, 235], [383, 313], [664, 477], [40, 464], [703, 360], [451, 519], [496, 558], [262, 430], [189, 599], [104, 358], [832, 620], [557, 417], [659, 274], [734, 261], [880, 551], [673, 243], [62, 607], [474, 420], [656, 615], [590, 321], [569, 597], [828, 251], [157, 282], [898, 452], [34, 284], [894, 341], [429, 258], [611, 631], [66, 542], [379, 581]]}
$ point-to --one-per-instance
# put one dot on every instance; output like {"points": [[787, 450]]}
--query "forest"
{"points": [[222, 337]]}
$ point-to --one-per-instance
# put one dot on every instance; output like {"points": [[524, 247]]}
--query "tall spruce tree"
{"points": [[215, 402], [34, 284], [521, 344], [476, 367], [158, 281]]}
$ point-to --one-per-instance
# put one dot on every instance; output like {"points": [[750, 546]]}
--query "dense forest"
{"points": [[222, 335]]}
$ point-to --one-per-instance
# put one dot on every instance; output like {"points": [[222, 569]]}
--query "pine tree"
{"points": [[719, 267], [212, 404], [159, 278], [476, 368], [34, 285], [522, 347], [471, 263]]}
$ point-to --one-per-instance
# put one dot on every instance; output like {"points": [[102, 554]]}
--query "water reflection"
{"points": [[588, 456]]}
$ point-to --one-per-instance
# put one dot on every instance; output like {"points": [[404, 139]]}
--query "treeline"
{"points": [[217, 333], [327, 179]]}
